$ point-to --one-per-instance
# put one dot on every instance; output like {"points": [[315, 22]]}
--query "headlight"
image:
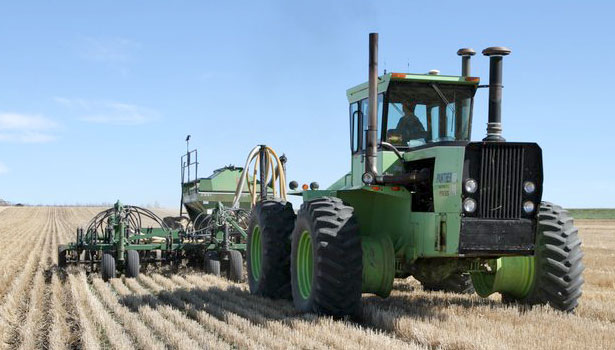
{"points": [[470, 185], [529, 187], [469, 205], [528, 207], [368, 178]]}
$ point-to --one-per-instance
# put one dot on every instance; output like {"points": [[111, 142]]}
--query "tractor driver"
{"points": [[409, 126]]}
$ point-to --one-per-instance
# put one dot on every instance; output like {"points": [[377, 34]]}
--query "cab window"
{"points": [[359, 120], [355, 130], [364, 111], [420, 113]]}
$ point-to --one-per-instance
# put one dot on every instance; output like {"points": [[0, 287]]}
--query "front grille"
{"points": [[501, 181]]}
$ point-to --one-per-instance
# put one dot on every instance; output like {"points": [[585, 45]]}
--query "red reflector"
{"points": [[398, 75], [376, 188], [395, 188], [472, 79]]}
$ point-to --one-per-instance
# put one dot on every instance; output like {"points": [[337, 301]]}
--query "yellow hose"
{"points": [[277, 175]]}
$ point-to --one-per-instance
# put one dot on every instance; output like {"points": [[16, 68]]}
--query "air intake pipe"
{"points": [[494, 126], [466, 54]]}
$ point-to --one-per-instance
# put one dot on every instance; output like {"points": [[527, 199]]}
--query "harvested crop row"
{"points": [[65, 328], [88, 333], [17, 298], [320, 332], [166, 329], [144, 337], [29, 236], [113, 332], [226, 331], [34, 332], [192, 328], [59, 336], [307, 325], [451, 320]]}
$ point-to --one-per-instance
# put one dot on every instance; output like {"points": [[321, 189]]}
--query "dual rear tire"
{"points": [[107, 267], [268, 249], [326, 258], [131, 265], [315, 256], [211, 263], [234, 265]]}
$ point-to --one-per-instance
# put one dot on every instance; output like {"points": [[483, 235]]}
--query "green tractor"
{"points": [[422, 200]]}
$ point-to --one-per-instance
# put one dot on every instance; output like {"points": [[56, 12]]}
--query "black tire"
{"points": [[212, 263], [559, 268], [457, 282], [107, 267], [62, 249], [235, 266], [132, 264], [337, 258], [275, 220]]}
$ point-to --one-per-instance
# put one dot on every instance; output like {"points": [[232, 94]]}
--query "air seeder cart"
{"points": [[420, 199], [124, 237], [218, 206]]}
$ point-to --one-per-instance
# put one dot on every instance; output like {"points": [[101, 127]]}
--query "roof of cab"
{"points": [[359, 92]]}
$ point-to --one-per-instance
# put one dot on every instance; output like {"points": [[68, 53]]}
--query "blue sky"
{"points": [[96, 99]]}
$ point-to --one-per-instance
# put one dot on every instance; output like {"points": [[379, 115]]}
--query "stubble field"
{"points": [[44, 308]]}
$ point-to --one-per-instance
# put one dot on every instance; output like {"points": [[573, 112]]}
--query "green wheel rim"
{"points": [[256, 253], [514, 276], [305, 264]]}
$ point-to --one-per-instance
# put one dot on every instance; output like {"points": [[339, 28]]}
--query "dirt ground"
{"points": [[44, 308]]}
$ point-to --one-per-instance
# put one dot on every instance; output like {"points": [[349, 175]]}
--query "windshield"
{"points": [[420, 113]]}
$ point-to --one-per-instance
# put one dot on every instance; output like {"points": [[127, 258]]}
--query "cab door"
{"points": [[358, 130]]}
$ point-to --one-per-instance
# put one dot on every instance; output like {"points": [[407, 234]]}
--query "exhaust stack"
{"points": [[466, 54], [494, 126], [372, 113]]}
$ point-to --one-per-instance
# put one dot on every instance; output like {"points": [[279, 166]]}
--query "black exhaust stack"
{"points": [[466, 54], [494, 126], [372, 114]]}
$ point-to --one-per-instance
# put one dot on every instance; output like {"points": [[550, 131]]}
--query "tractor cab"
{"points": [[415, 110]]}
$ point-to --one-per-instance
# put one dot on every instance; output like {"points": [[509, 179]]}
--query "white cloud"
{"points": [[3, 169], [109, 50], [23, 128], [109, 112], [14, 121]]}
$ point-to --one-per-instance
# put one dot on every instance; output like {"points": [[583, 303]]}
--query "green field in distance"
{"points": [[592, 213]]}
